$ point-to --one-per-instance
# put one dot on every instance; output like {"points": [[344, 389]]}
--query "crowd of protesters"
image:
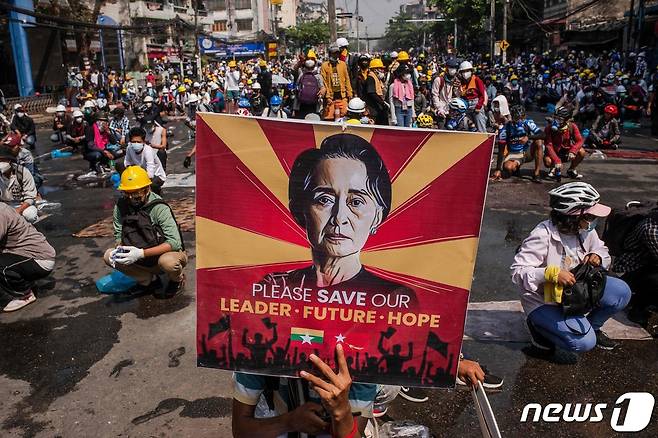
{"points": [[118, 123]]}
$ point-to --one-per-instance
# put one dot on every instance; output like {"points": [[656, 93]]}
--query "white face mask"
{"points": [[20, 114], [452, 71], [406, 77], [381, 75], [467, 74], [4, 167], [137, 147]]}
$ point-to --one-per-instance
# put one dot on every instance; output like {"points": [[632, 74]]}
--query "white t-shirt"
{"points": [[232, 80], [147, 159]]}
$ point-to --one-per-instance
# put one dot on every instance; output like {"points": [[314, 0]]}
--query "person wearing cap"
{"points": [[156, 137], [338, 85], [359, 82], [119, 125], [374, 93], [101, 146], [75, 132], [310, 88], [89, 111], [23, 157], [257, 100], [401, 98], [25, 257], [513, 91], [563, 144], [233, 77], [23, 125], [17, 187], [144, 256], [444, 89], [542, 269]]}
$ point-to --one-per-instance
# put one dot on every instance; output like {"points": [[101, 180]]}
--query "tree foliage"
{"points": [[311, 33], [470, 16], [402, 34]]}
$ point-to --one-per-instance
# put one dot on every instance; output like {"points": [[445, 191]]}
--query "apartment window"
{"points": [[216, 5], [243, 4], [244, 25], [219, 26]]}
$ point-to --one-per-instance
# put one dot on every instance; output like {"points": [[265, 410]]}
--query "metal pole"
{"points": [[358, 39], [331, 9], [100, 41], [455, 39], [121, 59], [640, 25], [629, 32], [492, 21], [19, 47], [505, 28], [367, 41]]}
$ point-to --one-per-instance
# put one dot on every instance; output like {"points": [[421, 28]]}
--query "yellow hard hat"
{"points": [[511, 78], [591, 76], [262, 63], [232, 64], [403, 56], [124, 91], [311, 54], [353, 122], [587, 71], [181, 88], [249, 82], [134, 178], [419, 68], [376, 63]]}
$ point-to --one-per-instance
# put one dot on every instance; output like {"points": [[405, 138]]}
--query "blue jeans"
{"points": [[403, 117], [574, 333]]}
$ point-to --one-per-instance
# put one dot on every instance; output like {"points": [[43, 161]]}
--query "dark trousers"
{"points": [[162, 155], [18, 274], [644, 284], [97, 158]]}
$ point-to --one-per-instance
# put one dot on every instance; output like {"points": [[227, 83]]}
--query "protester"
{"points": [[605, 133], [23, 157], [274, 110], [524, 143], [75, 132], [233, 77], [140, 153], [310, 89], [373, 93], [60, 123], [564, 144], [401, 98], [101, 146], [148, 240], [338, 85], [472, 90], [25, 257], [156, 137], [17, 186], [544, 264], [444, 89], [23, 125]]}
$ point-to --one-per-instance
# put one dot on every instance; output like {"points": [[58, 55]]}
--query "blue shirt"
{"points": [[514, 131]]}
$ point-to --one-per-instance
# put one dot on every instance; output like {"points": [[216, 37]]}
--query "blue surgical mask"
{"points": [[137, 147], [591, 226]]}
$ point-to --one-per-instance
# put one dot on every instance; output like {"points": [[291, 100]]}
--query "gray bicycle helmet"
{"points": [[573, 197]]}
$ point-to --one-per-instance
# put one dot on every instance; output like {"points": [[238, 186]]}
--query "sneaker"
{"points": [[571, 173], [19, 303], [379, 411], [415, 395], [539, 341], [604, 342], [491, 381], [174, 288], [92, 174], [551, 173]]}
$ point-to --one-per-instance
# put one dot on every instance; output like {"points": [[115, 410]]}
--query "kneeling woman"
{"points": [[544, 263]]}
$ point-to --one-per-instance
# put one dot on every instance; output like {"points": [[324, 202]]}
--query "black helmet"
{"points": [[563, 112], [517, 112], [453, 63]]}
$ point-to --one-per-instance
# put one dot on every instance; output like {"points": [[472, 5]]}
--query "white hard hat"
{"points": [[77, 113], [193, 98], [465, 65], [356, 105], [214, 86], [89, 104], [342, 42], [196, 85], [60, 109], [172, 88], [149, 85], [148, 99], [394, 54], [621, 89], [18, 106], [256, 86]]}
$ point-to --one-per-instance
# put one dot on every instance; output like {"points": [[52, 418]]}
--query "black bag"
{"points": [[137, 229], [586, 293], [621, 222]]}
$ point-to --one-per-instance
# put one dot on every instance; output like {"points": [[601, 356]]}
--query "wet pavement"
{"points": [[77, 363]]}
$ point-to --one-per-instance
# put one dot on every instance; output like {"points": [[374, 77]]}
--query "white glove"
{"points": [[571, 156], [127, 255], [113, 257]]}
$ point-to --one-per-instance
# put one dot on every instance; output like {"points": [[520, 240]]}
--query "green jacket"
{"points": [[161, 216]]}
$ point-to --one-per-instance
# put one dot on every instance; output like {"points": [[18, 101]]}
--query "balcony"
{"points": [[162, 10]]}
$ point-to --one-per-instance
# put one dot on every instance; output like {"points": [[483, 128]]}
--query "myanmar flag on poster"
{"points": [[396, 212], [306, 336]]}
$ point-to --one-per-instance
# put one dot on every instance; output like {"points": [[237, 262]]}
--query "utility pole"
{"points": [[367, 41], [492, 29], [629, 33], [331, 9], [505, 28], [358, 39]]}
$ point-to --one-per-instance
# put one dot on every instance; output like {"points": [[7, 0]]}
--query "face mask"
{"points": [[4, 167], [514, 82], [381, 75], [406, 77], [591, 226], [149, 105], [78, 120], [467, 75], [275, 108], [20, 114], [333, 59], [137, 147], [452, 71]]}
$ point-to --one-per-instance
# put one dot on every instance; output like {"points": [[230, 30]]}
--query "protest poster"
{"points": [[313, 234]]}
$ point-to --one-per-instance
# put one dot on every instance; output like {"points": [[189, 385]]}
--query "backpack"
{"points": [[138, 230], [621, 222], [308, 89]]}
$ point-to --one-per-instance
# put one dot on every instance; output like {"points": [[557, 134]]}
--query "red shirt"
{"points": [[569, 141]]}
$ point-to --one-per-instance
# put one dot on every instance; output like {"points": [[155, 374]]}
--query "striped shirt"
{"points": [[641, 248]]}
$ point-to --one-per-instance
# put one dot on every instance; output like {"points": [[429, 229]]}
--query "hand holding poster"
{"points": [[308, 236]]}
